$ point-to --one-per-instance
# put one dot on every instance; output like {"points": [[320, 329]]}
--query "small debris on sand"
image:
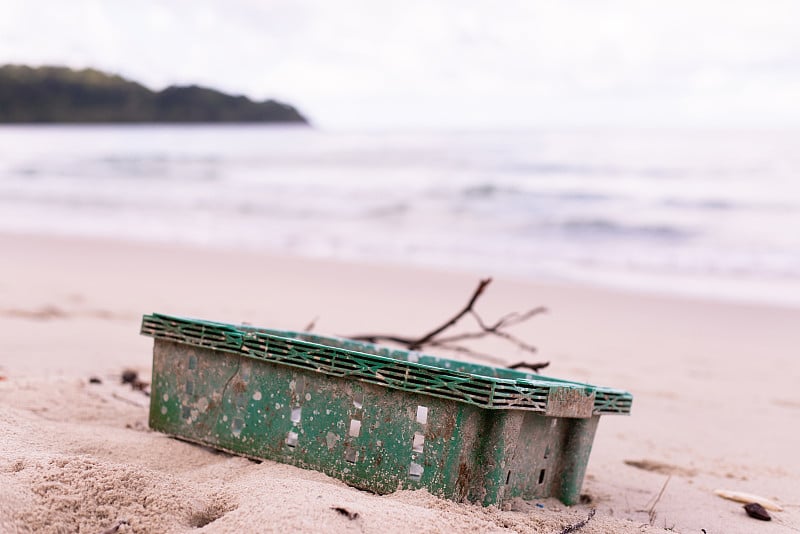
{"points": [[95, 380], [579, 525], [756, 511], [345, 512], [129, 376]]}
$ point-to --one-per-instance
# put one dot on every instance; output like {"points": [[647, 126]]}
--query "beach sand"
{"points": [[715, 385]]}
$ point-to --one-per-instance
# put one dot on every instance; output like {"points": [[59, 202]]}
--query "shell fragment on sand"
{"points": [[747, 498], [756, 511]]}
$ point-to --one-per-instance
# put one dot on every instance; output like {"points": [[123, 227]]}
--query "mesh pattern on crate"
{"points": [[390, 370]]}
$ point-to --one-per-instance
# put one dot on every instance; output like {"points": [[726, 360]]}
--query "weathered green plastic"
{"points": [[377, 418]]}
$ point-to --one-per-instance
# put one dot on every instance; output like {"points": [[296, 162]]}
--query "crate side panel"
{"points": [[498, 441], [372, 437], [538, 457], [551, 457]]}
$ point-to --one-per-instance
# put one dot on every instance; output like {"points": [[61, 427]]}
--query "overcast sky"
{"points": [[443, 63]]}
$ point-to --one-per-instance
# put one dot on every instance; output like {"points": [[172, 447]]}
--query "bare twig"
{"points": [[377, 338], [466, 350], [535, 367], [468, 308], [651, 512], [433, 338], [310, 326], [579, 525]]}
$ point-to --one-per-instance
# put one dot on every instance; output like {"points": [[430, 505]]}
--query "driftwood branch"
{"points": [[467, 309], [453, 342]]}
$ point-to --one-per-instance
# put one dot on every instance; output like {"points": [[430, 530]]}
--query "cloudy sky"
{"points": [[444, 63]]}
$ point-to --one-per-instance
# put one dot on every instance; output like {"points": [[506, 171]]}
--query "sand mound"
{"points": [[88, 461], [80, 494]]}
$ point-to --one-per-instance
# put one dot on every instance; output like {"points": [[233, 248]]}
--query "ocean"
{"points": [[697, 213]]}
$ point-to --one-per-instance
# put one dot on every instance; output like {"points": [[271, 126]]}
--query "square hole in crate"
{"points": [[419, 442], [415, 471], [291, 439], [422, 415], [296, 413], [355, 427], [351, 455]]}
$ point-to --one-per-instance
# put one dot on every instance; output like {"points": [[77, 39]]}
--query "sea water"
{"points": [[704, 213]]}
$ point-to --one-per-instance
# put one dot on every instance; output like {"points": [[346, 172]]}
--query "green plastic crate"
{"points": [[377, 418]]}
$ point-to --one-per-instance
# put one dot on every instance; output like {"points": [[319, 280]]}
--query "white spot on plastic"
{"points": [[419, 442], [422, 415], [163, 410], [165, 397], [257, 396], [277, 405], [308, 396], [355, 427]]}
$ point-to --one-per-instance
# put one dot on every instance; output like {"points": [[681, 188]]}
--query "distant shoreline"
{"points": [[59, 95], [157, 124]]}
